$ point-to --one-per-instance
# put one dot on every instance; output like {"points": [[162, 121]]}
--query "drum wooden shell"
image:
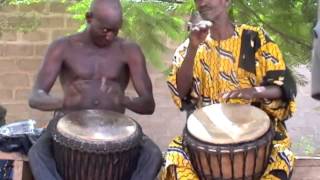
{"points": [[225, 162], [78, 160]]}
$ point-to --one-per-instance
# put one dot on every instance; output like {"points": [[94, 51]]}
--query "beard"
{"points": [[207, 15], [210, 13]]}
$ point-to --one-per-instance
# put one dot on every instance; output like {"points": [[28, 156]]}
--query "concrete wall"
{"points": [[21, 55]]}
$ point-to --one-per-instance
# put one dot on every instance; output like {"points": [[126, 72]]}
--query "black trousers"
{"points": [[43, 165]]}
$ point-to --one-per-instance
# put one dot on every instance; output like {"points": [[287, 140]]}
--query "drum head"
{"points": [[228, 123], [97, 126]]}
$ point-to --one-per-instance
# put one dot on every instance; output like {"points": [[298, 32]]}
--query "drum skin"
{"points": [[78, 159]]}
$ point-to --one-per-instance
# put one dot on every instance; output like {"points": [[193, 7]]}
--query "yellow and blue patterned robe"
{"points": [[222, 66]]}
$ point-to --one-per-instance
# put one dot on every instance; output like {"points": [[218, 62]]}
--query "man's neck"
{"points": [[87, 38], [222, 28]]}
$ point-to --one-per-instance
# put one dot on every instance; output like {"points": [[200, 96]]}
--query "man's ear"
{"points": [[89, 17]]}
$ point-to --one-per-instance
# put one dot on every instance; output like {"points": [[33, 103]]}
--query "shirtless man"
{"points": [[94, 68]]}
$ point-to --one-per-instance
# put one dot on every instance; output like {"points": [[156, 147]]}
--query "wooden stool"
{"points": [[21, 169]]}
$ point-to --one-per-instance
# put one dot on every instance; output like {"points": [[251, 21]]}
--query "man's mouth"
{"points": [[205, 10]]}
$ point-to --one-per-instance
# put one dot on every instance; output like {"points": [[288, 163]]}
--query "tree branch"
{"points": [[285, 36]]}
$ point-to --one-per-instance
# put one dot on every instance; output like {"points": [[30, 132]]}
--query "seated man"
{"points": [[94, 67], [224, 62]]}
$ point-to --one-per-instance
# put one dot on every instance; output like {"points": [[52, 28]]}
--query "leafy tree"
{"points": [[289, 22]]}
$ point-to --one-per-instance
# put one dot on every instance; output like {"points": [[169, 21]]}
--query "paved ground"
{"points": [[305, 124]]}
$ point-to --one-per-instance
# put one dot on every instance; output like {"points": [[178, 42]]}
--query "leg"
{"points": [[41, 160], [177, 163], [282, 159], [149, 162]]}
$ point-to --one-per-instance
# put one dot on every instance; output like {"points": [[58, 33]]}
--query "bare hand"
{"points": [[199, 32], [247, 94], [113, 90]]}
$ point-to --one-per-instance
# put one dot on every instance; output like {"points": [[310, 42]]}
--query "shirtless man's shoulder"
{"points": [[132, 51]]}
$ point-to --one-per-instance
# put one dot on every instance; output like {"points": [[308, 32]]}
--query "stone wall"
{"points": [[21, 55]]}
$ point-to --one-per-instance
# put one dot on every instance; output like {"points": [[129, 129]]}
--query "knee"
{"points": [[155, 154], [33, 153], [151, 151], [39, 149], [155, 151], [35, 149]]}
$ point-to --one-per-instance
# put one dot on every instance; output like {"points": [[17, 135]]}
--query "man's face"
{"points": [[103, 30], [211, 9]]}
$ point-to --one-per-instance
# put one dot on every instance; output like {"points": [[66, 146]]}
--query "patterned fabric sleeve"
{"points": [[178, 58], [271, 70]]}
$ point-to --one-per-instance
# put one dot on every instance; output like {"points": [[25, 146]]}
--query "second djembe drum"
{"points": [[229, 141]]}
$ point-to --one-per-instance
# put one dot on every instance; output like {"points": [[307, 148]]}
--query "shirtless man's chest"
{"points": [[94, 77]]}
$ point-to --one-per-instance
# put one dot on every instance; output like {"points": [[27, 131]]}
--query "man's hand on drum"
{"points": [[246, 93], [113, 90]]}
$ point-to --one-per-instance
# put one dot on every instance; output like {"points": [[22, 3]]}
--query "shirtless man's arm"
{"points": [[144, 104], [47, 75]]}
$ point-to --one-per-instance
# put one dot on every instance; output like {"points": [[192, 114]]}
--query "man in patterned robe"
{"points": [[220, 62]]}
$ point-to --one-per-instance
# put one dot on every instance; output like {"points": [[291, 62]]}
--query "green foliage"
{"points": [[289, 23], [27, 2], [22, 22]]}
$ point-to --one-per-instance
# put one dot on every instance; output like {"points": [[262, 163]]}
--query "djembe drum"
{"points": [[229, 141], [96, 145]]}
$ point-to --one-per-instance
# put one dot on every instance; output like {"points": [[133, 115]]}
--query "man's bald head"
{"points": [[106, 11], [104, 21]]}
